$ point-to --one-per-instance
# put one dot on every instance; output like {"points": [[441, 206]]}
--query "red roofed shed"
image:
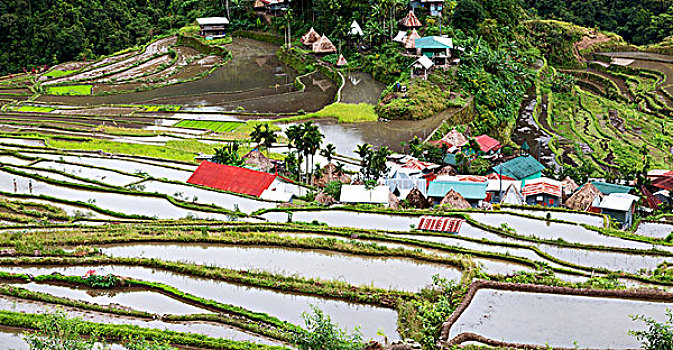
{"points": [[231, 178], [488, 144]]}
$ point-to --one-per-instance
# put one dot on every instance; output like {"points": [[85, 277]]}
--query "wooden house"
{"points": [[437, 48], [543, 191], [212, 26], [421, 67], [472, 192], [620, 207]]}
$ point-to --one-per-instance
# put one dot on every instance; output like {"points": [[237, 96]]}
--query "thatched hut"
{"points": [[417, 200], [341, 61], [256, 159], [454, 200], [393, 201], [324, 199], [455, 138], [310, 38], [584, 198], [410, 21], [409, 41], [323, 45], [569, 186], [330, 173], [447, 170]]}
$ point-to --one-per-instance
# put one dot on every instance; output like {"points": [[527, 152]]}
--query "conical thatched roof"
{"points": [[447, 170], [393, 201], [512, 196], [329, 174], [569, 185], [409, 41], [310, 37], [584, 197], [341, 61], [455, 138], [454, 200], [323, 45], [258, 4], [411, 21], [257, 159], [324, 199], [416, 199]]}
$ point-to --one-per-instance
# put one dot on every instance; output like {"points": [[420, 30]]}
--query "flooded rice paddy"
{"points": [[287, 307], [659, 230], [391, 273], [361, 88], [556, 320]]}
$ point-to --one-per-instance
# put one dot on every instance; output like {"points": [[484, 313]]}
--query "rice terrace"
{"points": [[336, 175]]}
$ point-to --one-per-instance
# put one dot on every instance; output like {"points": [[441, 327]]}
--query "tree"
{"points": [[658, 336], [322, 334], [228, 155], [263, 135], [328, 152]]}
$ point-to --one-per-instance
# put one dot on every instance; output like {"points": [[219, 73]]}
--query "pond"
{"points": [[361, 87], [116, 202], [556, 320], [287, 307], [390, 273]]}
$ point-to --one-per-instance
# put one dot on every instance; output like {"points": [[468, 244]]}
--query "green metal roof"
{"points": [[607, 188], [519, 168], [433, 42], [469, 190]]}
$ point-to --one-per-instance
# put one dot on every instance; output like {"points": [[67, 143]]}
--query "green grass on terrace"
{"points": [[57, 73], [215, 126], [35, 109], [70, 90]]}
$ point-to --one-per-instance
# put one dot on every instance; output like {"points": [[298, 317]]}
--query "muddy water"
{"points": [[556, 320], [203, 196], [288, 307], [391, 273], [553, 230], [207, 329], [120, 203], [346, 136], [579, 218], [659, 230], [361, 88], [337, 218], [529, 131], [151, 302], [108, 177], [123, 165]]}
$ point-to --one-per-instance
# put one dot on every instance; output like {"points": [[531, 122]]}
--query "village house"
{"points": [[437, 48], [473, 192], [587, 198], [421, 67], [496, 188], [542, 191], [246, 181], [608, 188], [212, 27], [520, 168], [620, 207], [512, 196], [435, 7], [488, 145], [401, 181], [270, 6]]}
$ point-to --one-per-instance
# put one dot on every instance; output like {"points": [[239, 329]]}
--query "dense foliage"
{"points": [[322, 334], [639, 22]]}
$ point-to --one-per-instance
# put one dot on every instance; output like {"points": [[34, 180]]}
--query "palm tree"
{"points": [[328, 152], [269, 137], [312, 141], [364, 151]]}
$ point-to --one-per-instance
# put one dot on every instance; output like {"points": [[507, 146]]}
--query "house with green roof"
{"points": [[473, 192], [607, 188], [437, 48], [520, 168]]}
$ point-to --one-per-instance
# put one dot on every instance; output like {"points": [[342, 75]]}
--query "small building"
{"points": [[354, 194], [410, 21], [608, 188], [437, 48], [487, 144], [323, 46], [496, 189], [212, 26], [341, 61], [620, 207], [455, 139], [272, 6], [401, 181], [434, 6], [421, 67], [204, 157], [512, 196], [454, 200], [520, 168], [255, 159], [472, 192], [543, 191], [399, 38], [439, 224], [244, 181], [310, 38], [587, 198], [409, 41], [356, 30]]}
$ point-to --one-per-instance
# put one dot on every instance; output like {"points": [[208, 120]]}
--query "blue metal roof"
{"points": [[519, 168], [469, 190], [434, 42]]}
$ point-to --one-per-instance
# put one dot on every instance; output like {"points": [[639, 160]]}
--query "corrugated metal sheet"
{"points": [[231, 178], [469, 190], [439, 224]]}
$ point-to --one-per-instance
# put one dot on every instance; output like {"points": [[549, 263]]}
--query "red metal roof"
{"points": [[231, 178], [439, 143], [487, 143], [472, 178], [495, 176], [439, 224], [541, 187], [411, 21], [664, 182]]}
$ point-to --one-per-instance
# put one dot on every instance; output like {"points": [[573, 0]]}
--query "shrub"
{"points": [[658, 336], [322, 334]]}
